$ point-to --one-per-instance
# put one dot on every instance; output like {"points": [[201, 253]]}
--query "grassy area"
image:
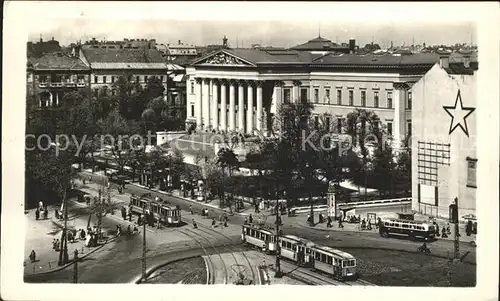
{"points": [[396, 268], [189, 271]]}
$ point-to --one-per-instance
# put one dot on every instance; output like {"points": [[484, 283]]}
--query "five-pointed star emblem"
{"points": [[458, 115]]}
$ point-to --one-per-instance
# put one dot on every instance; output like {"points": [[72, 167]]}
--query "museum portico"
{"points": [[241, 89]]}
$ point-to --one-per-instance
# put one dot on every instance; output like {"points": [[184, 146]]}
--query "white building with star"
{"points": [[444, 155]]}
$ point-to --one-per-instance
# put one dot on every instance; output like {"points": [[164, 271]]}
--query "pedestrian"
{"points": [[32, 256], [135, 230], [213, 222], [118, 230], [448, 230], [329, 222], [37, 214], [250, 218], [56, 213], [45, 212], [191, 209], [124, 213], [139, 220], [194, 224], [82, 234], [443, 233], [90, 179], [437, 230], [340, 223], [220, 220]]}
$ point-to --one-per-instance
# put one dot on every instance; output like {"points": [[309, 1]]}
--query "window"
{"points": [[112, 79], [408, 128], [327, 122], [95, 79], [471, 172], [192, 110], [43, 79], [145, 78], [351, 97], [316, 95], [316, 122], [286, 95], [375, 99], [389, 128], [192, 87], [339, 125], [339, 97], [363, 98], [329, 260], [161, 78], [104, 79], [408, 103], [389, 99], [327, 95], [303, 95], [137, 79]]}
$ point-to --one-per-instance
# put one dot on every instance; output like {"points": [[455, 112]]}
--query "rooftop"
{"points": [[40, 48], [319, 43], [58, 61], [124, 58]]}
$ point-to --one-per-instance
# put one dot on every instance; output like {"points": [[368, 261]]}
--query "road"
{"points": [[121, 262]]}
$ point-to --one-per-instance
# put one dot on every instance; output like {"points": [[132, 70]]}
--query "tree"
{"points": [[118, 138], [403, 172], [129, 98], [101, 206], [363, 127], [227, 160], [383, 169]]}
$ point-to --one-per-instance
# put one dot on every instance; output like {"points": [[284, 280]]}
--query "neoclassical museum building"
{"points": [[241, 89]]}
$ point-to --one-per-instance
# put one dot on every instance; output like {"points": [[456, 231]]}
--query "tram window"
{"points": [[405, 226], [317, 256], [391, 224], [386, 224], [323, 257], [352, 263], [308, 251], [289, 245], [329, 260], [253, 233], [283, 244]]}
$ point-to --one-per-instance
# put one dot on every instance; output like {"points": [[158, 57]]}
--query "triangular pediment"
{"points": [[222, 58]]}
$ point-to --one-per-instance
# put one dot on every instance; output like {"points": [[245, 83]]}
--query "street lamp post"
{"points": [[278, 273], [144, 244]]}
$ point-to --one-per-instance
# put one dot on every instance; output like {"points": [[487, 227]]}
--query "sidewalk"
{"points": [[39, 236], [302, 222]]}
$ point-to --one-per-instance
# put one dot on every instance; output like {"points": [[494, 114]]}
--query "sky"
{"points": [[244, 23], [265, 32]]}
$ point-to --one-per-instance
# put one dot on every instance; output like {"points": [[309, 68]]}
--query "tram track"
{"points": [[250, 265], [210, 262]]}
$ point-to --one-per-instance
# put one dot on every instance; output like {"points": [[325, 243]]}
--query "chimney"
{"points": [[352, 45], [444, 60], [179, 42]]}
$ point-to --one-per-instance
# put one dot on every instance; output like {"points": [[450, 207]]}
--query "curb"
{"points": [[364, 232], [137, 279], [405, 251], [185, 199], [71, 261]]}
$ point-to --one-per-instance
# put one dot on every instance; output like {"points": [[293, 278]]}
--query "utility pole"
{"points": [[63, 255], [457, 234], [278, 274], [75, 267], [144, 244]]}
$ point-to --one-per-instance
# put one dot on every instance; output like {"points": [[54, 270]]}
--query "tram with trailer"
{"points": [[264, 239], [409, 228], [339, 264], [165, 214]]}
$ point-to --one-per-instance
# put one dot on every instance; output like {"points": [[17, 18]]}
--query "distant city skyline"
{"points": [[267, 33]]}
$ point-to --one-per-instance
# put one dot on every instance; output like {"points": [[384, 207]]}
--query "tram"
{"points": [[165, 214], [261, 238], [296, 249], [339, 264], [409, 228]]}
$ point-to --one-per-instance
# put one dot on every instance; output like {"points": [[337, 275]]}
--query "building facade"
{"points": [[52, 76], [444, 155], [242, 89], [107, 65]]}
